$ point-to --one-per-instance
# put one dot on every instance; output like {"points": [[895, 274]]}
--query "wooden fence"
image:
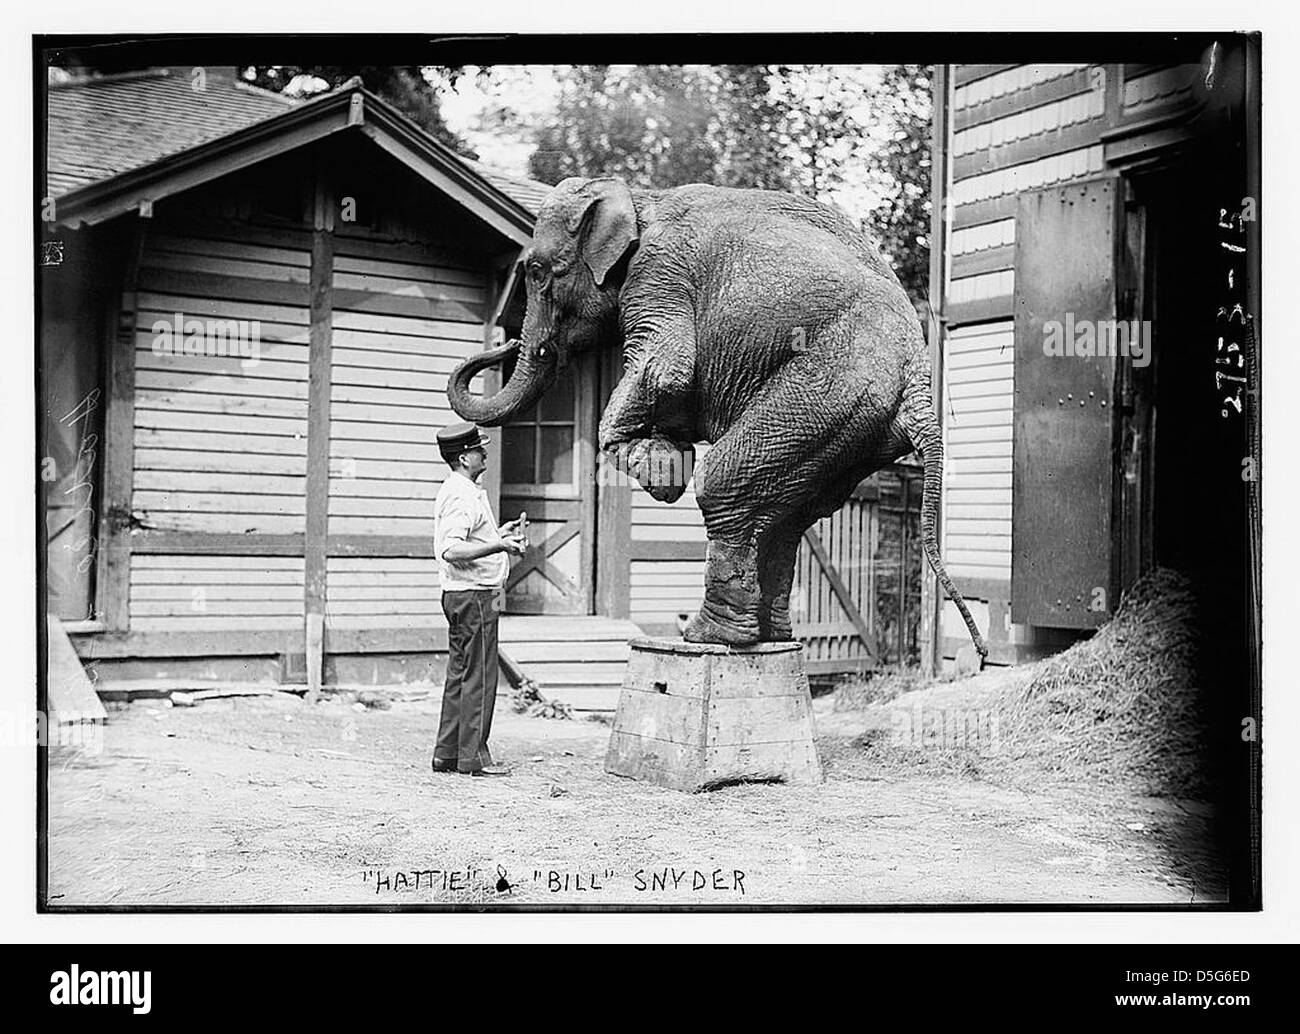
{"points": [[856, 601]]}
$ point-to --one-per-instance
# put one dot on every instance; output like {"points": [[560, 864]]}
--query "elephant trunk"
{"points": [[521, 391]]}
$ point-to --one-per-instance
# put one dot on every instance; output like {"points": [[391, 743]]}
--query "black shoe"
{"points": [[491, 770], [439, 765]]}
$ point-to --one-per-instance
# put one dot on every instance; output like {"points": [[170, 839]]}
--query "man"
{"points": [[473, 561]]}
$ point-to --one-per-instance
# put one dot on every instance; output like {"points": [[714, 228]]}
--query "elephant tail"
{"points": [[922, 429]]}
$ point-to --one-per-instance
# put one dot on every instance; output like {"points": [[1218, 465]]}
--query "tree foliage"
{"points": [[848, 135], [901, 221]]}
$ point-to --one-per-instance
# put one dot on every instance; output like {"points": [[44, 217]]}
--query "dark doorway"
{"points": [[1186, 458]]}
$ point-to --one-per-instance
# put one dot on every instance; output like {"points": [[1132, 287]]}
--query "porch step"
{"points": [[579, 660], [72, 699]]}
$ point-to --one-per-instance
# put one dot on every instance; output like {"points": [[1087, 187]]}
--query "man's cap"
{"points": [[457, 438]]}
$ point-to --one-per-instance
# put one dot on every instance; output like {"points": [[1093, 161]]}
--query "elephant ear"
{"points": [[605, 222]]}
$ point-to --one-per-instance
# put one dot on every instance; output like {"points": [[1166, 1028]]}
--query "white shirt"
{"points": [[463, 513]]}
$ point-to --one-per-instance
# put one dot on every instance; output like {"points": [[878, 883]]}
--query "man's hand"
{"points": [[510, 527], [514, 545]]}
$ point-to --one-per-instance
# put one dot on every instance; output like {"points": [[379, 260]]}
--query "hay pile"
{"points": [[1126, 704]]}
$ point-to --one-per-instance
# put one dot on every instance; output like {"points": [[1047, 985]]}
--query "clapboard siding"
{"points": [[401, 325], [1008, 82], [978, 408], [220, 437], [661, 590], [1067, 110], [1146, 90], [364, 591], [1031, 175], [215, 593], [983, 236]]}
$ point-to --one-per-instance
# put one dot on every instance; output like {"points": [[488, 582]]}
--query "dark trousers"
{"points": [[470, 693]]}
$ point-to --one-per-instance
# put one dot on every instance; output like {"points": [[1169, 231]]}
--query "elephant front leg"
{"points": [[661, 464], [729, 612]]}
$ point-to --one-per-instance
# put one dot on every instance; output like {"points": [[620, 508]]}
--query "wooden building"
{"points": [[250, 307], [1082, 194]]}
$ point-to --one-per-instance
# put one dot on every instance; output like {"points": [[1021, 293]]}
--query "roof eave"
{"points": [[301, 125], [439, 165]]}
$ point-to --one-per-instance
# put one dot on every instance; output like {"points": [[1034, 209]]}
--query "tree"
{"points": [[752, 117], [902, 164], [654, 125], [853, 135], [819, 128], [404, 87]]}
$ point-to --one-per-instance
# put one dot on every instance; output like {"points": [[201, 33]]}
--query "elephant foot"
{"points": [[729, 613], [706, 628], [663, 468], [775, 628]]}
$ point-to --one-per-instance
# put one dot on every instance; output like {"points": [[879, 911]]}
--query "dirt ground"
{"points": [[275, 801]]}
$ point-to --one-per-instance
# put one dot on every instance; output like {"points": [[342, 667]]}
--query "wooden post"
{"points": [[586, 400], [315, 546], [613, 544], [114, 571]]}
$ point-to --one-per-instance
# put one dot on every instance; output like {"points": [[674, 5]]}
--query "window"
{"points": [[538, 448]]}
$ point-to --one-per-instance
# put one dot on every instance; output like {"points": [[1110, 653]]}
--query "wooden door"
{"points": [[548, 470], [1061, 552]]}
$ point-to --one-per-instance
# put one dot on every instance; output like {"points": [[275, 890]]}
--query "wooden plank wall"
{"points": [[979, 402], [404, 315], [210, 593], [220, 442]]}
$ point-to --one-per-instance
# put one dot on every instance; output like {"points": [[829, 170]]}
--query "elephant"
{"points": [[760, 322]]}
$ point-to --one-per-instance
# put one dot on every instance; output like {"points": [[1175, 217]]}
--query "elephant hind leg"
{"points": [[755, 487], [748, 589], [776, 560]]}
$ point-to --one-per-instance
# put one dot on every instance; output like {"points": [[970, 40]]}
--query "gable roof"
{"points": [[528, 193], [99, 127], [120, 141]]}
